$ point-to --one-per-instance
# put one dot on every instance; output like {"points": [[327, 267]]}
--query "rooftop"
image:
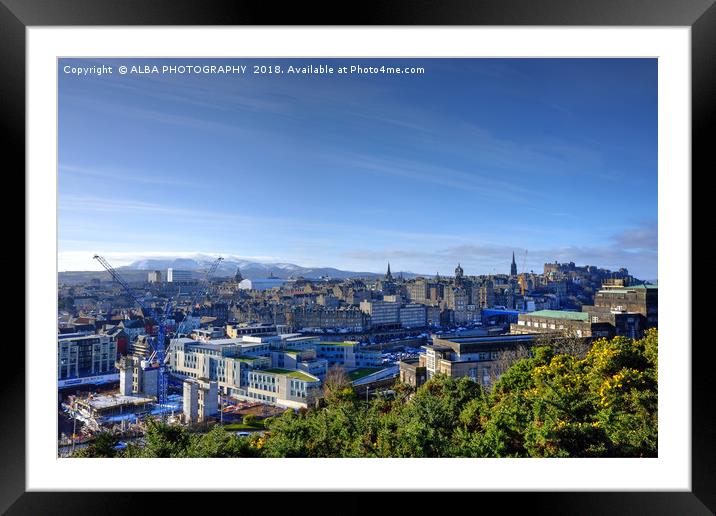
{"points": [[245, 358], [559, 314], [362, 372], [292, 373], [225, 342], [114, 400], [347, 343], [645, 286]]}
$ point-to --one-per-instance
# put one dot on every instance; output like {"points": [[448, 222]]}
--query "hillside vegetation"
{"points": [[547, 405]]}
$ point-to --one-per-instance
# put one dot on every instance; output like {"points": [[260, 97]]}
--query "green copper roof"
{"points": [[558, 314]]}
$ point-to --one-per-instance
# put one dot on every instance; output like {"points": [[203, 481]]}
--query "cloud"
{"points": [[122, 174], [644, 238], [477, 181], [639, 255]]}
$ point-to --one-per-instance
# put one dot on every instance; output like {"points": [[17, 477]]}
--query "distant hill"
{"points": [[137, 271]]}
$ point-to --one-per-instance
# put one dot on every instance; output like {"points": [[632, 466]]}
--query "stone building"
{"points": [[578, 324], [641, 299], [474, 357]]}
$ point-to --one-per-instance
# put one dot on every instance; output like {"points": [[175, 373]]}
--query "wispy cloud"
{"points": [[483, 184], [117, 174], [634, 248], [644, 238]]}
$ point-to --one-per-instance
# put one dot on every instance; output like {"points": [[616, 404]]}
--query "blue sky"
{"points": [[555, 159]]}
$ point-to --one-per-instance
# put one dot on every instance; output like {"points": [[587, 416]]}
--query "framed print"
{"points": [[418, 253]]}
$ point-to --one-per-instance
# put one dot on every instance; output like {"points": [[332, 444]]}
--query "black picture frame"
{"points": [[700, 15]]}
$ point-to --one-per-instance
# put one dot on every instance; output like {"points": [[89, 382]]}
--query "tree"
{"points": [[218, 443], [162, 440], [249, 419], [506, 359], [429, 420], [546, 404], [560, 405], [102, 447], [336, 379], [566, 342]]}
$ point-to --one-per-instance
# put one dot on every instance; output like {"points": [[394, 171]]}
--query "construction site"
{"points": [[146, 390]]}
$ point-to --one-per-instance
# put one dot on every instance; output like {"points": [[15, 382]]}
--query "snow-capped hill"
{"points": [[249, 269]]}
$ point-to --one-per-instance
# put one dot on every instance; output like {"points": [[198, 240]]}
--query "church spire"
{"points": [[388, 275], [513, 267]]}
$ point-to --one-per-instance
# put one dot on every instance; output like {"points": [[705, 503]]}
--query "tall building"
{"points": [[413, 315], [138, 376], [177, 276], [201, 397], [154, 277], [642, 299], [513, 266], [85, 359], [418, 290], [382, 313], [458, 274]]}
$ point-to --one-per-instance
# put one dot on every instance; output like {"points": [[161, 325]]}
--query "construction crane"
{"points": [[161, 320], [207, 278]]}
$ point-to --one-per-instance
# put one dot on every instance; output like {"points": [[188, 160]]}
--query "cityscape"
{"points": [[481, 294]]}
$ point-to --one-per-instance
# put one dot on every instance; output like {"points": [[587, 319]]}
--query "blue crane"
{"points": [[158, 343], [199, 292]]}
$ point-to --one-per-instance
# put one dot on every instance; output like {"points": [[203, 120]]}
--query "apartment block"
{"points": [[283, 387], [81, 356]]}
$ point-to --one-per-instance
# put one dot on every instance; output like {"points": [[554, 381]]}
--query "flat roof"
{"points": [[78, 336], [560, 314], [225, 342], [478, 339], [346, 343], [208, 345], [292, 373], [363, 372], [245, 358], [115, 400], [645, 286]]}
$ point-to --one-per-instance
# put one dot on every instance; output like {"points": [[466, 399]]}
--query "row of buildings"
{"points": [[618, 310], [256, 343], [285, 370]]}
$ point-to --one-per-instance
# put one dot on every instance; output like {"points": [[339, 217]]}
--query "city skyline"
{"points": [[467, 163]]}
